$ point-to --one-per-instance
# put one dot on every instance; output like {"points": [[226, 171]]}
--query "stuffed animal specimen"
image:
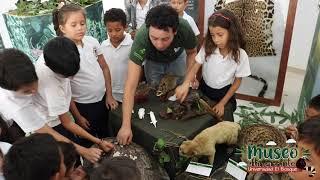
{"points": [[167, 86], [204, 143]]}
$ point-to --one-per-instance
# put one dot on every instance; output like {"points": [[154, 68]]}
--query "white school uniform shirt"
{"points": [[88, 85], [21, 109], [141, 13], [191, 23], [4, 146], [117, 60], [219, 72], [54, 94]]}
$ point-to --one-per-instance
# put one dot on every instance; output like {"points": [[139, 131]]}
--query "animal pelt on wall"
{"points": [[204, 143], [256, 19]]}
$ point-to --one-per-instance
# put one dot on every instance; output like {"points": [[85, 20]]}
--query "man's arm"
{"points": [[125, 134], [191, 55]]}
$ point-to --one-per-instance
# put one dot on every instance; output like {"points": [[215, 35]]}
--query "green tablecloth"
{"points": [[145, 134]]}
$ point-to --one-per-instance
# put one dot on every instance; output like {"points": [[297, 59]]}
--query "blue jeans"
{"points": [[154, 71]]}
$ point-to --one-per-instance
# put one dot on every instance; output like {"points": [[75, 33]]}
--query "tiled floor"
{"points": [[291, 92]]}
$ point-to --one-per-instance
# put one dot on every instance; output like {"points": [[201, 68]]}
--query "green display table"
{"points": [[145, 134]]}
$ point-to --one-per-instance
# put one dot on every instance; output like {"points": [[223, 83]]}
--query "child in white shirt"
{"points": [[19, 82], [224, 62], [18, 86], [59, 63], [91, 86], [180, 6], [116, 49]]}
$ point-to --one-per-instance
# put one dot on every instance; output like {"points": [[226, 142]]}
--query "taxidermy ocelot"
{"points": [[203, 144], [166, 87]]}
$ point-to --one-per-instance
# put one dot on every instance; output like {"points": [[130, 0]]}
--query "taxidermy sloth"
{"points": [[204, 143]]}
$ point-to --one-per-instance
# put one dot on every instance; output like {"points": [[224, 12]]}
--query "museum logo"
{"points": [[271, 159]]}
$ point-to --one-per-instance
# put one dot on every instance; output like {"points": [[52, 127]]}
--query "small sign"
{"points": [[236, 171], [199, 168]]}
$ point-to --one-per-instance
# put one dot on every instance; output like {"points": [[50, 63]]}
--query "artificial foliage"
{"points": [[260, 114], [41, 7]]}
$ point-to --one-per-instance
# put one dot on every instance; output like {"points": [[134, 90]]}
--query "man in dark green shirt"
{"points": [[167, 45]]}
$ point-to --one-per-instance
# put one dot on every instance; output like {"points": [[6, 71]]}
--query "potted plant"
{"points": [[30, 25]]}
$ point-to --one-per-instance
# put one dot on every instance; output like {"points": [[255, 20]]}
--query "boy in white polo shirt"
{"points": [[18, 84], [116, 49], [18, 81], [180, 6], [60, 62]]}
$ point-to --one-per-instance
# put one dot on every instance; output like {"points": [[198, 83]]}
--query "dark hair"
{"points": [[227, 20], [33, 157], [315, 103], [162, 17], [62, 56], [10, 134], [118, 168], [60, 16], [5, 135], [70, 154], [115, 15], [16, 69], [309, 132]]}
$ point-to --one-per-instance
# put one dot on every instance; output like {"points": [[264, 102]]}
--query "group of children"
{"points": [[71, 75], [76, 74], [307, 133], [40, 156]]}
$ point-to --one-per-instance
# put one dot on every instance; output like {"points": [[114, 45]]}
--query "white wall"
{"points": [[6, 5], [303, 31], [107, 4]]}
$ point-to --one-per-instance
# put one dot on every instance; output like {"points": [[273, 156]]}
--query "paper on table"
{"points": [[172, 98], [198, 168], [236, 171]]}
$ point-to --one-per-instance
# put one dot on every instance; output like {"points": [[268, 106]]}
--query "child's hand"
{"points": [[292, 132], [111, 103], [182, 91], [92, 154], [105, 145], [219, 109], [195, 83], [78, 174], [83, 122]]}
